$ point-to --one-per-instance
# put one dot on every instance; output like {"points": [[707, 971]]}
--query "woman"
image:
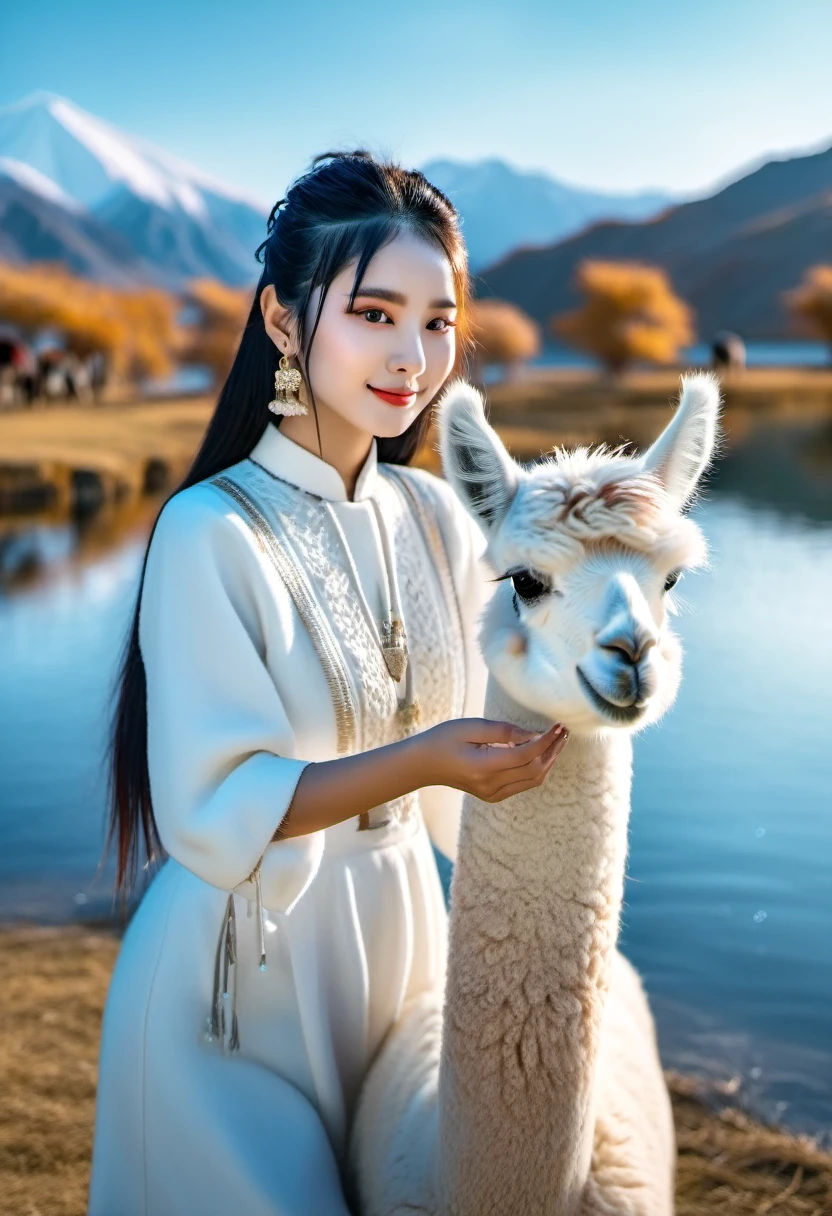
{"points": [[295, 708]]}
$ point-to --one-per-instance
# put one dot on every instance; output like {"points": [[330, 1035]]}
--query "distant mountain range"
{"points": [[504, 208], [113, 206], [730, 256], [117, 209]]}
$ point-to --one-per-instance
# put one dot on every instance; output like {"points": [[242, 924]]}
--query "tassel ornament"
{"points": [[223, 1025]]}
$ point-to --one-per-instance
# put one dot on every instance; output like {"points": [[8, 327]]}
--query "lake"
{"points": [[757, 354], [728, 904]]}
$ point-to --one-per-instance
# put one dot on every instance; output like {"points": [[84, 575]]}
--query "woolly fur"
{"points": [[537, 1090]]}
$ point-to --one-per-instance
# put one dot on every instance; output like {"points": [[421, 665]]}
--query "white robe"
{"points": [[257, 665]]}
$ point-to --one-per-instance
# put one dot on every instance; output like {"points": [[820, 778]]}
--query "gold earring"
{"points": [[287, 382]]}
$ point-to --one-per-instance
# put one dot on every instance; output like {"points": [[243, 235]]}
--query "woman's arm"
{"points": [[489, 759], [222, 755]]}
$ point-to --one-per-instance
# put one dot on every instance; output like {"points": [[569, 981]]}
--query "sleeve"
{"points": [[441, 805], [220, 750]]}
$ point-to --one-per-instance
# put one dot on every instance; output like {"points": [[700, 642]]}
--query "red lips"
{"points": [[393, 398]]}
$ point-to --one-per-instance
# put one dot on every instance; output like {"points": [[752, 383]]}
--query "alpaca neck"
{"points": [[534, 919]]}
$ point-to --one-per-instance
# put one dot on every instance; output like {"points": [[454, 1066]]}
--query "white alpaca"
{"points": [[538, 1090]]}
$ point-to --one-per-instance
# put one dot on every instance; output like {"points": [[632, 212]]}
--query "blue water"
{"points": [[728, 911], [758, 354]]}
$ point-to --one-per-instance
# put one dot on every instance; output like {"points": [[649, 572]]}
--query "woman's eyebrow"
{"points": [[396, 297]]}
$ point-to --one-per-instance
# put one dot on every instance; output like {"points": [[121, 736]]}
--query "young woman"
{"points": [[298, 701]]}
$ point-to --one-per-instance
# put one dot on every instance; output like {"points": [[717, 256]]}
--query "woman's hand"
{"points": [[491, 760]]}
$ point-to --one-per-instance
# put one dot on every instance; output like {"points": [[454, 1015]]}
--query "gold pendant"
{"points": [[394, 647]]}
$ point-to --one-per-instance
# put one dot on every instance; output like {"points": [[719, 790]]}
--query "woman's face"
{"points": [[398, 338]]}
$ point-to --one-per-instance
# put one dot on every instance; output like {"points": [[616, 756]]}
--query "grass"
{"points": [[55, 982], [51, 457]]}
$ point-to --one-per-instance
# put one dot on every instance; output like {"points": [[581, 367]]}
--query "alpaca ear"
{"points": [[477, 466], [683, 451]]}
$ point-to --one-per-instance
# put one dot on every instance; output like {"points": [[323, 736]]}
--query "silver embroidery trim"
{"points": [[285, 561], [222, 1028], [424, 513]]}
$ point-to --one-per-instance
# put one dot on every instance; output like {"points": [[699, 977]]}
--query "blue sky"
{"points": [[613, 94]]}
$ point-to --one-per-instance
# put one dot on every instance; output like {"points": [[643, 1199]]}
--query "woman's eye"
{"points": [[374, 315], [441, 325], [527, 586], [672, 579]]}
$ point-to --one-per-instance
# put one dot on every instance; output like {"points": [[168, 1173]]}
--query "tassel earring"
{"points": [[287, 382]]}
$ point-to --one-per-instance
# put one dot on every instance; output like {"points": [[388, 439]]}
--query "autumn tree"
{"points": [[811, 301], [502, 335], [219, 315], [133, 329], [630, 313], [149, 343]]}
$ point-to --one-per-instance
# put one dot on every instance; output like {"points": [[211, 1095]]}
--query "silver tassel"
{"points": [[261, 916], [230, 995], [223, 1026], [225, 984]]}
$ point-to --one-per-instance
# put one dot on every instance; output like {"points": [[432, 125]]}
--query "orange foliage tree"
{"points": [[212, 338], [502, 334], [811, 301], [630, 312], [133, 329]]}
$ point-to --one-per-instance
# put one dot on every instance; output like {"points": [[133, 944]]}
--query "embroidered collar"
{"points": [[286, 459]]}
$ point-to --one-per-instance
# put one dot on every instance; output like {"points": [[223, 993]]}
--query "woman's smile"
{"points": [[394, 396]]}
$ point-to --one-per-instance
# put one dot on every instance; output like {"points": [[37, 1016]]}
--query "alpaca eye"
{"points": [[672, 579], [527, 586]]}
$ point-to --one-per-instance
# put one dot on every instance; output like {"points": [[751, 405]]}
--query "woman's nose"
{"points": [[408, 357]]}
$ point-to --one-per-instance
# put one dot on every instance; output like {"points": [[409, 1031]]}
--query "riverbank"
{"points": [[70, 459], [569, 407], [63, 460], [55, 982]]}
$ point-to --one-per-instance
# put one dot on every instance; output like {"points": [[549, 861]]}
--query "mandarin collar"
{"points": [[287, 460]]}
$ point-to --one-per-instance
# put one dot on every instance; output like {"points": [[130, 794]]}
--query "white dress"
{"points": [[259, 660]]}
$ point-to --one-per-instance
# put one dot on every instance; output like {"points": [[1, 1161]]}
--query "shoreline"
{"points": [[51, 1003], [60, 460]]}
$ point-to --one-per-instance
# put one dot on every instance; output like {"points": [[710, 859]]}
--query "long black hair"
{"points": [[343, 210]]}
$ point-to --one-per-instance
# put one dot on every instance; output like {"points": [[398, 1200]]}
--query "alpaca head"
{"points": [[588, 545]]}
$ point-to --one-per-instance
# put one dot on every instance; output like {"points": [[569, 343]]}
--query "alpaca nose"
{"points": [[628, 643]]}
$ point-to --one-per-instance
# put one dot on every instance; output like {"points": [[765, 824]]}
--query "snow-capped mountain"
{"points": [[178, 219], [177, 223]]}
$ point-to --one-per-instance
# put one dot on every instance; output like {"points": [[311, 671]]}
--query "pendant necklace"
{"points": [[390, 635]]}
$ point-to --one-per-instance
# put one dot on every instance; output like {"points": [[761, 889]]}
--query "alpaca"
{"points": [[537, 1090]]}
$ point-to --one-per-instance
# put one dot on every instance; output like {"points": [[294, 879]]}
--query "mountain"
{"points": [[118, 209], [503, 208], [169, 215], [731, 256], [37, 225]]}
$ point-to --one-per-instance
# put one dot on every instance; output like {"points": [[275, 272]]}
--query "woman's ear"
{"points": [[279, 321]]}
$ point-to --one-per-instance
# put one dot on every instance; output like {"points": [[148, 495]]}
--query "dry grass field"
{"points": [[50, 456], [53, 991]]}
